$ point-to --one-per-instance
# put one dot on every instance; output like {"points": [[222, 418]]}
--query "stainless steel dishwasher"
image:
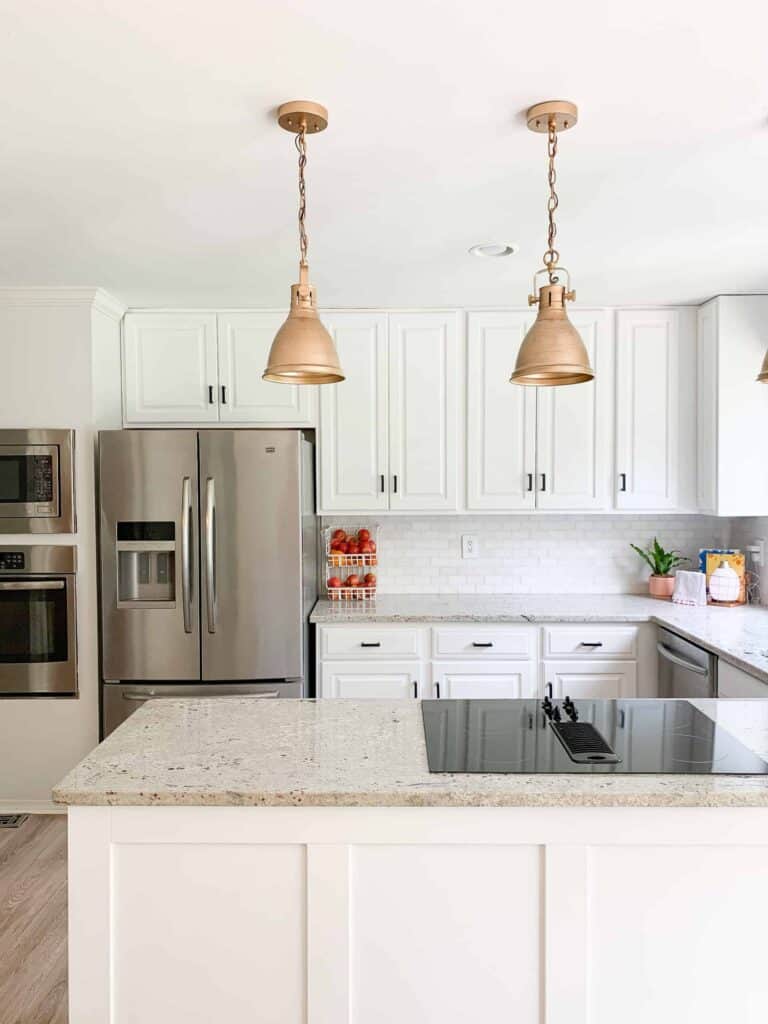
{"points": [[685, 669]]}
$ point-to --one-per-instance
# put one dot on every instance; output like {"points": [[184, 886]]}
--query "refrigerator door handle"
{"points": [[210, 553], [186, 571]]}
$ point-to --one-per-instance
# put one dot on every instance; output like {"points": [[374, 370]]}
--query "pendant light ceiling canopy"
{"points": [[552, 352], [303, 351]]}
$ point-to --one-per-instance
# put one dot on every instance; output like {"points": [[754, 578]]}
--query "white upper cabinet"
{"points": [[170, 368], [388, 433], [244, 343], [656, 409], [423, 411], [733, 407], [354, 474], [501, 417], [545, 448], [574, 427]]}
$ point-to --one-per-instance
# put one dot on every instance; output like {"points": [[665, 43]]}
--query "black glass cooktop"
{"points": [[602, 737]]}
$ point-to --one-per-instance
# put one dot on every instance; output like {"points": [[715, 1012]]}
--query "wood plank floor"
{"points": [[33, 921]]}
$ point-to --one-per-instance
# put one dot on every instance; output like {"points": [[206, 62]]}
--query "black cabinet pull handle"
{"points": [[437, 690], [543, 481], [394, 483], [622, 481], [223, 394], [210, 394], [529, 488], [382, 484], [484, 643], [585, 644], [372, 644], [415, 688], [550, 690]]}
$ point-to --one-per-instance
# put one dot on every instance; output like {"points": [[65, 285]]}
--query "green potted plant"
{"points": [[661, 562]]}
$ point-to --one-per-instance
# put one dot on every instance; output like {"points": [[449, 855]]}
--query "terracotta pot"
{"points": [[661, 586]]}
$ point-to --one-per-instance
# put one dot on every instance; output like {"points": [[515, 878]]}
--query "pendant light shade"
{"points": [[763, 375], [303, 351], [552, 351]]}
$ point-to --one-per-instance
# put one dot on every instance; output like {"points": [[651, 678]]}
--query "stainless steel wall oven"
{"points": [[38, 613]]}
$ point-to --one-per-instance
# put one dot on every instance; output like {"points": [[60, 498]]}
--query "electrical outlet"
{"points": [[469, 545], [757, 551]]}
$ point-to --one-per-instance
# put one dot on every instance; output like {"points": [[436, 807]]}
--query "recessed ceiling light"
{"points": [[493, 249]]}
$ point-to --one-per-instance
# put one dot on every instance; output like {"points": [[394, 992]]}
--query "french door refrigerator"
{"points": [[208, 556]]}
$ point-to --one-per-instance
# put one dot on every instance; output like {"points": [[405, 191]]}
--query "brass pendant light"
{"points": [[763, 375], [552, 351], [303, 351]]}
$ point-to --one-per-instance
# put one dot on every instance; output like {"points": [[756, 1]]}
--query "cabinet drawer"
{"points": [[370, 642], [590, 641], [484, 641]]}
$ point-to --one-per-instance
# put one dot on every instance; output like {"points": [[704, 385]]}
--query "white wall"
{"points": [[54, 345], [529, 554]]}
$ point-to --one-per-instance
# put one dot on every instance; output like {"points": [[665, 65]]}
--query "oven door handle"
{"points": [[186, 547], [33, 585], [210, 553], [667, 653]]}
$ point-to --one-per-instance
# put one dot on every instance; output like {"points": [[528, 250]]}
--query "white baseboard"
{"points": [[31, 807]]}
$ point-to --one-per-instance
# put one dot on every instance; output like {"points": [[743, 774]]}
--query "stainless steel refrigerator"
{"points": [[208, 555]]}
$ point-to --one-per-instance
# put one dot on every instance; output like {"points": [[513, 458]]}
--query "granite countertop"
{"points": [[738, 635], [232, 751]]}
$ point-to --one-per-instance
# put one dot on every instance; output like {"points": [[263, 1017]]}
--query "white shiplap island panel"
{"points": [[294, 861]]}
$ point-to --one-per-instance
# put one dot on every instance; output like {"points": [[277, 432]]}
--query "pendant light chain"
{"points": [[551, 256], [301, 146]]}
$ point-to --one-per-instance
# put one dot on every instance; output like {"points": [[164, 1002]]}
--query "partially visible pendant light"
{"points": [[552, 351], [303, 351], [763, 375]]}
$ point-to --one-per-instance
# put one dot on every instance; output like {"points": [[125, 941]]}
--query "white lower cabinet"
{"points": [[368, 679], [461, 679], [582, 680], [487, 660], [733, 682]]}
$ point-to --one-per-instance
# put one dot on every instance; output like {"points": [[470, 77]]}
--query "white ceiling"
{"points": [[139, 150]]}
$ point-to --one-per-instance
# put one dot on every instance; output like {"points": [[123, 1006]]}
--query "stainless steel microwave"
{"points": [[37, 481]]}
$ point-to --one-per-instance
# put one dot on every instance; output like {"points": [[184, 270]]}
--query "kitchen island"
{"points": [[292, 861]]}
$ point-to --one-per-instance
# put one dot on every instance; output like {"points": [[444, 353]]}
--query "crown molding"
{"points": [[108, 304], [36, 296]]}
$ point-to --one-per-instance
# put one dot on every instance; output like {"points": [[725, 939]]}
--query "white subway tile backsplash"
{"points": [[545, 554]]}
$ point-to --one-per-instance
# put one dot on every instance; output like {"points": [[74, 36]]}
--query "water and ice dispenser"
{"points": [[146, 564]]}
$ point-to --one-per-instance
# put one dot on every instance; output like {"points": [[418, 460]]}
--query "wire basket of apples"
{"points": [[355, 550]]}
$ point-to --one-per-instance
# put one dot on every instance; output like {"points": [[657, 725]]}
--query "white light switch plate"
{"points": [[469, 545]]}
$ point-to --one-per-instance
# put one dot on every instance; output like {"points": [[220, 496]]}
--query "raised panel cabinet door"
{"points": [[484, 679], [647, 409], [244, 343], [423, 411], [170, 368], [501, 417], [362, 680], [582, 680], [574, 429], [353, 417]]}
